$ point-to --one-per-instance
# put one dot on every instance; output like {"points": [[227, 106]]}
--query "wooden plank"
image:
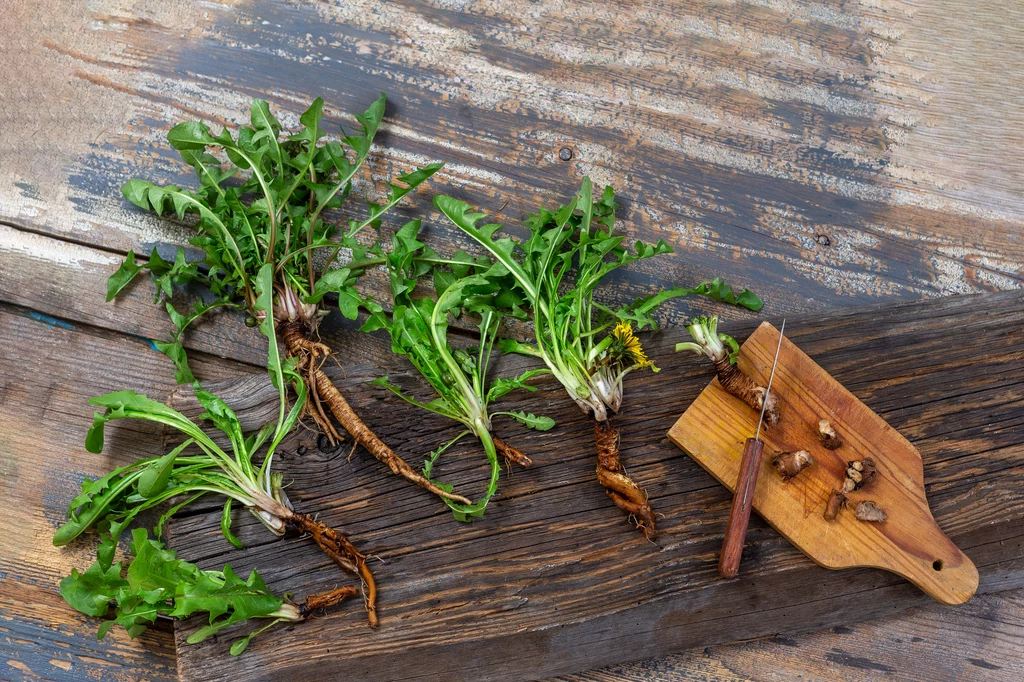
{"points": [[58, 278], [979, 640], [48, 369], [79, 633], [825, 155], [554, 579]]}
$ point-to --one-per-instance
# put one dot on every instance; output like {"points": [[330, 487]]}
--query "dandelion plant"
{"points": [[419, 330], [587, 346], [157, 583], [199, 466], [264, 202]]}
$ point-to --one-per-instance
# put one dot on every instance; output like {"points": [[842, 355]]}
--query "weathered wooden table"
{"points": [[825, 154]]}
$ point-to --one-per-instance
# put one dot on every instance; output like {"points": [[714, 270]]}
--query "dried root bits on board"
{"points": [[836, 501], [870, 511], [789, 464], [827, 435], [858, 474]]}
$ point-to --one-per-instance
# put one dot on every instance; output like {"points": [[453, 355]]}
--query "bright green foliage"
{"points": [[419, 330], [157, 583], [198, 465], [707, 340], [260, 201], [555, 273]]}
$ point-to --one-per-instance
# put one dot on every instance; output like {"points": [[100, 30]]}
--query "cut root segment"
{"points": [[737, 383], [510, 453], [343, 553], [311, 355], [325, 600], [625, 493]]}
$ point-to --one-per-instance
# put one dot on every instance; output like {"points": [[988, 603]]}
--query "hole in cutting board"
{"points": [[937, 564]]}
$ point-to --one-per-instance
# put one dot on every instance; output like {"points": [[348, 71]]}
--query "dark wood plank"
{"points": [[980, 640], [480, 601], [825, 155], [58, 278], [751, 91]]}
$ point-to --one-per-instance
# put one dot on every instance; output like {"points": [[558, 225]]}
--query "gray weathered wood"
{"points": [[980, 640], [824, 154]]}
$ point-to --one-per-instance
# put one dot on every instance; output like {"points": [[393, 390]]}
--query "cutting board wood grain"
{"points": [[909, 542], [554, 579]]}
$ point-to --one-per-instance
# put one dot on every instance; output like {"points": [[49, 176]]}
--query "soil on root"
{"points": [[737, 383], [510, 453], [326, 393], [342, 552], [623, 490], [324, 600]]}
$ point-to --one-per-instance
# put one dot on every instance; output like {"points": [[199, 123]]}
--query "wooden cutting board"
{"points": [[554, 579], [909, 542]]}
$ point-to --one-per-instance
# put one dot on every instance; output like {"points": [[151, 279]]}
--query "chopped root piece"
{"points": [[325, 600], [836, 501], [510, 453], [870, 511], [325, 392], [625, 493], [342, 552], [828, 436], [789, 464], [736, 382], [709, 343], [858, 474]]}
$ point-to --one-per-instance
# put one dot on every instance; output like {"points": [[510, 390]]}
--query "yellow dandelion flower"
{"points": [[623, 333]]}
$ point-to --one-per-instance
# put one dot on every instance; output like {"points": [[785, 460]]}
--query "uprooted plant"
{"points": [[200, 466], [587, 346], [723, 350], [157, 583], [274, 216], [419, 331]]}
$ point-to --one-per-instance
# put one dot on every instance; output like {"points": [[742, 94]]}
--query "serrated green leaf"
{"points": [[176, 352], [124, 274], [153, 479], [331, 281], [532, 421]]}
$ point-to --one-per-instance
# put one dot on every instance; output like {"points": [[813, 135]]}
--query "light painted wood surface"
{"points": [[909, 542]]}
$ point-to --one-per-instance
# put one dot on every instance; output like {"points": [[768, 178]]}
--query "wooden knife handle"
{"points": [[739, 515]]}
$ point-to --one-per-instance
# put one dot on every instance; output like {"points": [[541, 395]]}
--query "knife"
{"points": [[743, 498]]}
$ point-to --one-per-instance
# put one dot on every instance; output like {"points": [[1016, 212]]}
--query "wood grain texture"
{"points": [[980, 640], [478, 601], [824, 154], [908, 543]]}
